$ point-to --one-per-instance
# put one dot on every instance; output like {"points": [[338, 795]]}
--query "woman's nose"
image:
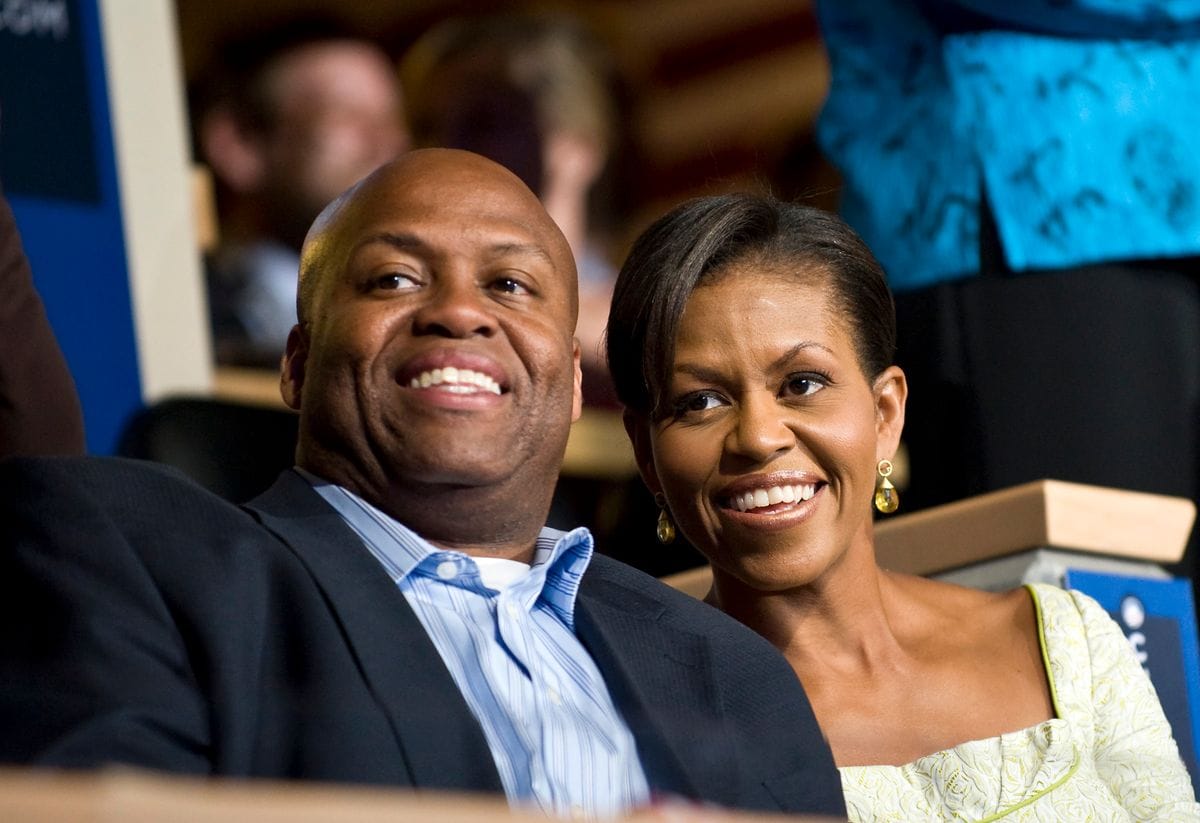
{"points": [[761, 431]]}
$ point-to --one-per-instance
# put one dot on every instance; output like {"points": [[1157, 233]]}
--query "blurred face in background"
{"points": [[337, 115]]}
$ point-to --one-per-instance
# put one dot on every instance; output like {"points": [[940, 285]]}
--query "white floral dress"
{"points": [[1108, 754]]}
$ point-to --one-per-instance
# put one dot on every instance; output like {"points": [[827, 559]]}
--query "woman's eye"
{"points": [[805, 384], [698, 402]]}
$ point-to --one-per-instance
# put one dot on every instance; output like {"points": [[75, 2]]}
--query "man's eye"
{"points": [[510, 285], [392, 282]]}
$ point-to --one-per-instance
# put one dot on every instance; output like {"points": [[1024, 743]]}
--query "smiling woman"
{"points": [[745, 388], [751, 342]]}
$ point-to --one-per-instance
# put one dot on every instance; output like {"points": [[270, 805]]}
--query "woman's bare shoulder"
{"points": [[959, 614]]}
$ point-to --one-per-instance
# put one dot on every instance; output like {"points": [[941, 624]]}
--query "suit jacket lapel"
{"points": [[663, 685], [442, 743]]}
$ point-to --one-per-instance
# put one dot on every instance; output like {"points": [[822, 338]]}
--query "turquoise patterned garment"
{"points": [[1080, 119], [1108, 754]]}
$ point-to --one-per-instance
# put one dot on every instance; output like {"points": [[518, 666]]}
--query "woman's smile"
{"points": [[773, 507]]}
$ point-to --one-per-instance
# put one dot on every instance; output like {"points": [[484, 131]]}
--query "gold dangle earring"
{"points": [[664, 529], [887, 499]]}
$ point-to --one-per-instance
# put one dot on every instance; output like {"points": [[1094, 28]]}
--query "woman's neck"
{"points": [[843, 622]]}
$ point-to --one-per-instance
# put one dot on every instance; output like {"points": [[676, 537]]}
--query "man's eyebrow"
{"points": [[398, 241], [406, 241], [520, 249]]}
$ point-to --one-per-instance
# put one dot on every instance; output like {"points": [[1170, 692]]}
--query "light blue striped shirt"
{"points": [[556, 737]]}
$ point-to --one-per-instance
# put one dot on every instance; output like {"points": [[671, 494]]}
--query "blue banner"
{"points": [[1159, 619], [58, 168]]}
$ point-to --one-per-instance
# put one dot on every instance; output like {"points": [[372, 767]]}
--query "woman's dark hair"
{"points": [[671, 258]]}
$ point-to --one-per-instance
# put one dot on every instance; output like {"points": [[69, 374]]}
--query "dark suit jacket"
{"points": [[145, 620]]}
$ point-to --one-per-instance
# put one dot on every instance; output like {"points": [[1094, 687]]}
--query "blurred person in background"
{"points": [[290, 118], [39, 408], [1017, 168], [534, 93]]}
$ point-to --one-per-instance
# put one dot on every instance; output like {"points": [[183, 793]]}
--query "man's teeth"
{"points": [[758, 498], [461, 381]]}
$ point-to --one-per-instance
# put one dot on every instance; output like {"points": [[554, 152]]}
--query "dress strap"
{"points": [[1062, 635]]}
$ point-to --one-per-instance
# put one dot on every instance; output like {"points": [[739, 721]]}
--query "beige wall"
{"points": [[145, 86]]}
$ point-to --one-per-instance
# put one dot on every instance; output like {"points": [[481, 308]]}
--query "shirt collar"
{"points": [[567, 555], [559, 558]]}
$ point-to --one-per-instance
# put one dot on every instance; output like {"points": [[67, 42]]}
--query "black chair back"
{"points": [[234, 449]]}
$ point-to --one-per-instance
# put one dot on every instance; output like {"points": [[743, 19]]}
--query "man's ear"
{"points": [[234, 156], [577, 399], [291, 367], [891, 394], [638, 429]]}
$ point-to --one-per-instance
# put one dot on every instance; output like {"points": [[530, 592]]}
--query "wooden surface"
{"points": [[597, 447], [128, 796], [1046, 513]]}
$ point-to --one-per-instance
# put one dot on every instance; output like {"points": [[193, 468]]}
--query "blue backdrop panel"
{"points": [[58, 168]]}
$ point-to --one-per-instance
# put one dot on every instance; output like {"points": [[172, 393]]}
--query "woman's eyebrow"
{"points": [[788, 355]]}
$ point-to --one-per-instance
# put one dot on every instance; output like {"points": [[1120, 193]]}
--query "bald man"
{"points": [[393, 610]]}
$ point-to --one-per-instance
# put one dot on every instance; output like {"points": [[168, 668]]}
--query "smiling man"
{"points": [[405, 280], [393, 610]]}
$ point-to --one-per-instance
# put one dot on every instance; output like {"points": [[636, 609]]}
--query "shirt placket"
{"points": [[515, 627], [505, 663], [552, 697]]}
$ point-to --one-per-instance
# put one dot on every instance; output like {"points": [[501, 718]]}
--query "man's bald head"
{"points": [[442, 176]]}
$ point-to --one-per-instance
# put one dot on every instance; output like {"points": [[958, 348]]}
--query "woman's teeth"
{"points": [[772, 495]]}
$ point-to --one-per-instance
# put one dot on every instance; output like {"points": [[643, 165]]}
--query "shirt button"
{"points": [[553, 695], [512, 608], [447, 570]]}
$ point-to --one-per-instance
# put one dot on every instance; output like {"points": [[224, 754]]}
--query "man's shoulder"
{"points": [[98, 472], [105, 511], [611, 578], [139, 488], [620, 585], [746, 657], [765, 718]]}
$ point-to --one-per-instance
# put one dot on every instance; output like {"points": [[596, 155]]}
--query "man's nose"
{"points": [[456, 307]]}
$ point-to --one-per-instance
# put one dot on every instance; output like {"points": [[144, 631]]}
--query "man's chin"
{"points": [[455, 466]]}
